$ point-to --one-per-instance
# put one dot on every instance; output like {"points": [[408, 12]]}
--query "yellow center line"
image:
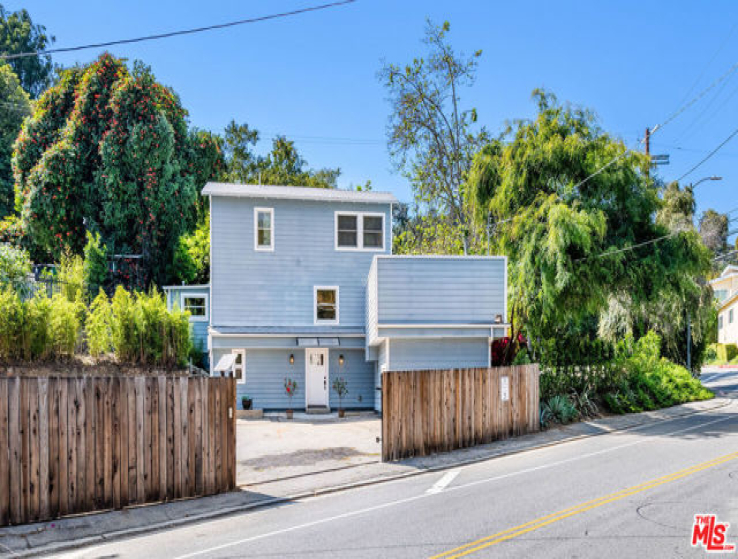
{"points": [[516, 531]]}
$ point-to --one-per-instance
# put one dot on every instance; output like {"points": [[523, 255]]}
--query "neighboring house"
{"points": [[726, 292], [728, 321], [304, 286], [726, 284], [196, 300]]}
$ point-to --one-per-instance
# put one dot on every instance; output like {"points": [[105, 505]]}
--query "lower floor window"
{"points": [[326, 305], [239, 365]]}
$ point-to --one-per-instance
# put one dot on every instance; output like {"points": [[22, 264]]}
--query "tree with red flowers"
{"points": [[108, 149]]}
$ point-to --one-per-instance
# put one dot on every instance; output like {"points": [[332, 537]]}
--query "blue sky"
{"points": [[313, 77]]}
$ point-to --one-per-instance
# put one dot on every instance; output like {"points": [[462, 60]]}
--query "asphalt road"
{"points": [[627, 494]]}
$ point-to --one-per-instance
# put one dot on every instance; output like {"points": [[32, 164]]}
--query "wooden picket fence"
{"points": [[430, 411], [78, 444]]}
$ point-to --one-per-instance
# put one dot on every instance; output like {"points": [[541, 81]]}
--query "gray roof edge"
{"points": [[297, 193]]}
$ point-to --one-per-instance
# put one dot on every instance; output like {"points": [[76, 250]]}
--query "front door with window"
{"points": [[316, 378]]}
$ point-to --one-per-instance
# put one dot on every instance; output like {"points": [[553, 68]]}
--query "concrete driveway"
{"points": [[274, 448]]}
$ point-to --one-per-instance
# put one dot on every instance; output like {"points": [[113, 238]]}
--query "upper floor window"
{"points": [[720, 322], [347, 227], [730, 316], [359, 231], [326, 305], [264, 228], [197, 305]]}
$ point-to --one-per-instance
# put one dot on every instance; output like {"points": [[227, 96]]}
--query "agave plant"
{"points": [[559, 409]]}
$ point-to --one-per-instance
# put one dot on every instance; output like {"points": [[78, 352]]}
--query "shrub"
{"points": [[15, 267], [143, 331], [37, 331], [726, 352], [71, 277], [98, 326], [11, 325], [64, 325], [123, 325]]}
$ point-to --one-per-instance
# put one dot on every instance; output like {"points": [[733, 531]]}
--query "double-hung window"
{"points": [[359, 231], [730, 316], [373, 231], [264, 229], [197, 305], [326, 305]]}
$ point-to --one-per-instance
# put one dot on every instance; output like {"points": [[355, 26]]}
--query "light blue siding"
{"points": [[371, 305], [266, 370], [438, 354], [261, 288], [358, 373], [440, 290], [198, 328]]}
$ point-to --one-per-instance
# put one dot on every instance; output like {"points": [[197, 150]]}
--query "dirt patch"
{"points": [[306, 457]]}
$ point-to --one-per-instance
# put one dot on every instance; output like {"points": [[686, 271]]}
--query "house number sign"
{"points": [[504, 388]]}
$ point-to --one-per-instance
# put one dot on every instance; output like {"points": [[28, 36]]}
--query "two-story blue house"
{"points": [[304, 286]]}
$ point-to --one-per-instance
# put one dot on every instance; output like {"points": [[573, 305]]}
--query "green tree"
{"points": [[14, 107], [95, 268], [431, 137], [191, 262], [575, 212], [682, 308], [18, 34], [714, 230], [283, 165], [108, 149]]}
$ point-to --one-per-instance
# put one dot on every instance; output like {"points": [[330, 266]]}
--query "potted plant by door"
{"points": [[340, 387], [290, 386], [246, 402]]}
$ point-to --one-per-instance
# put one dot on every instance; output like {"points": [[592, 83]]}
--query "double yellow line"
{"points": [[510, 533]]}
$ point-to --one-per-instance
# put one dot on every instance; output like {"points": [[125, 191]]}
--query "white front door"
{"points": [[316, 377]]}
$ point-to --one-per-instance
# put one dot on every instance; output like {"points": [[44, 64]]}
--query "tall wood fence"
{"points": [[78, 444], [441, 410]]}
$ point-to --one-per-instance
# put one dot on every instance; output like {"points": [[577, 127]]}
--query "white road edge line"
{"points": [[427, 495], [442, 483]]}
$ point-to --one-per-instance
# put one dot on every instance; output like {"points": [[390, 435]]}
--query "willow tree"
{"points": [[575, 212]]}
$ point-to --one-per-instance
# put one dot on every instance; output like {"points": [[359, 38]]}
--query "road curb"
{"points": [[58, 547]]}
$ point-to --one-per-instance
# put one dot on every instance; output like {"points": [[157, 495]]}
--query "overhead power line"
{"points": [[179, 32], [709, 155], [668, 120], [632, 247]]}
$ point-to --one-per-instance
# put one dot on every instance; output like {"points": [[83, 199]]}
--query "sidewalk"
{"points": [[53, 537]]}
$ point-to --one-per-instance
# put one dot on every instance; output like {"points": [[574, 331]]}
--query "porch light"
{"points": [[340, 360], [292, 358], [498, 319]]}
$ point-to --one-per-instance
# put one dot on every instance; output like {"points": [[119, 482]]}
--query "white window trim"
{"points": [[205, 296], [359, 231], [243, 365], [315, 304], [269, 248]]}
